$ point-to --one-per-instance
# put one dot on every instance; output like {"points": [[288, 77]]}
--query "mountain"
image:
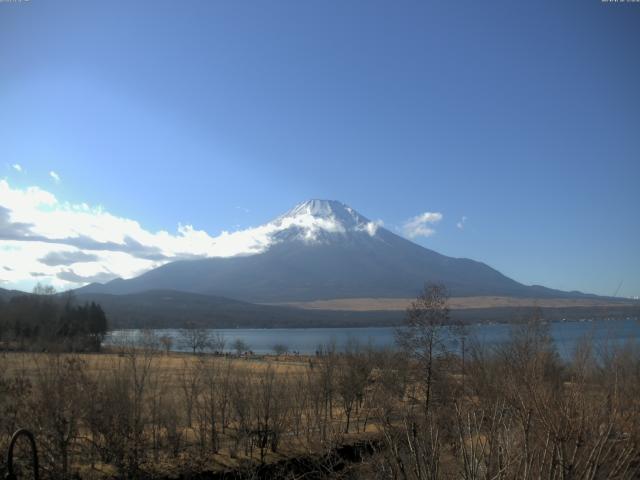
{"points": [[323, 249], [5, 295]]}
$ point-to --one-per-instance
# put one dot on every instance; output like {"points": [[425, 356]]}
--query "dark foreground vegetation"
{"points": [[44, 321], [421, 411]]}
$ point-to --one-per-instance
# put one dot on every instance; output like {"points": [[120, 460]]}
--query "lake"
{"points": [[307, 340]]}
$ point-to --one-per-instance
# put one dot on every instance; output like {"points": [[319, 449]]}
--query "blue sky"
{"points": [[523, 117]]}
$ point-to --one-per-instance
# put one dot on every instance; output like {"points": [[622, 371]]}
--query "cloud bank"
{"points": [[68, 245]]}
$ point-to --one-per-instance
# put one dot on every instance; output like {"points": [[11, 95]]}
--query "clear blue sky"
{"points": [[522, 116]]}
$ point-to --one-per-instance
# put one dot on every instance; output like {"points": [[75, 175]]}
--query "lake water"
{"points": [[307, 340]]}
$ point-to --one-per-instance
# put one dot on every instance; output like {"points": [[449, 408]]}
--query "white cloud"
{"points": [[68, 242], [68, 245], [421, 225], [54, 176], [461, 223], [372, 227], [17, 167]]}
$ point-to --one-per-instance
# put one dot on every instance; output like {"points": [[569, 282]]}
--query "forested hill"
{"points": [[173, 309], [51, 322]]}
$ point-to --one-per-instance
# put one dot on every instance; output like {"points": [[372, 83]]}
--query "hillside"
{"points": [[174, 309]]}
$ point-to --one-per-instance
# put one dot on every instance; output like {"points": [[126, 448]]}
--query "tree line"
{"points": [[44, 320]]}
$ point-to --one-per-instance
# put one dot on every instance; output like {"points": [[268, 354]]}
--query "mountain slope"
{"points": [[5, 295], [322, 250]]}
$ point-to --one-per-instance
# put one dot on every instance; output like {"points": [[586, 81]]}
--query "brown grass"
{"points": [[455, 303], [171, 364]]}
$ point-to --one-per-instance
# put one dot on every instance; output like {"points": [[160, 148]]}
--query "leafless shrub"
{"points": [[55, 410], [117, 413], [352, 377]]}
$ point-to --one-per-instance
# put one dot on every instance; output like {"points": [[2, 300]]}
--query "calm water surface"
{"points": [[307, 340]]}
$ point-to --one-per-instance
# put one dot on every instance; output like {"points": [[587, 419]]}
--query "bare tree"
{"points": [[352, 376], [191, 383], [213, 386], [167, 342], [425, 333], [148, 340], [240, 346], [116, 411], [195, 339], [41, 289], [56, 409], [217, 342], [157, 391], [270, 410], [280, 349]]}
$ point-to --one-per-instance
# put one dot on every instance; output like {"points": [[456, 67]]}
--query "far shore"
{"points": [[456, 303]]}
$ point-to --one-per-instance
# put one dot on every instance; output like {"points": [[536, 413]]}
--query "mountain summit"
{"points": [[330, 210], [317, 221], [323, 249]]}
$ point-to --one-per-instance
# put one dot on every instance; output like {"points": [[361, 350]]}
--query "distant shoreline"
{"points": [[455, 303], [514, 321]]}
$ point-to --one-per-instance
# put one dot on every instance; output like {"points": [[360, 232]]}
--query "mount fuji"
{"points": [[321, 250]]}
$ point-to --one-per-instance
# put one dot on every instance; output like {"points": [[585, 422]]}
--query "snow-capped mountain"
{"points": [[320, 221], [313, 221], [322, 249]]}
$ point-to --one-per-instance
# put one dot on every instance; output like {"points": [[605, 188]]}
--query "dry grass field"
{"points": [[517, 412], [455, 303], [176, 412], [172, 365]]}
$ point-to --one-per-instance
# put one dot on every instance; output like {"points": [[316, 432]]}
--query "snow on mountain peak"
{"points": [[314, 217], [323, 208], [312, 222], [327, 209]]}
